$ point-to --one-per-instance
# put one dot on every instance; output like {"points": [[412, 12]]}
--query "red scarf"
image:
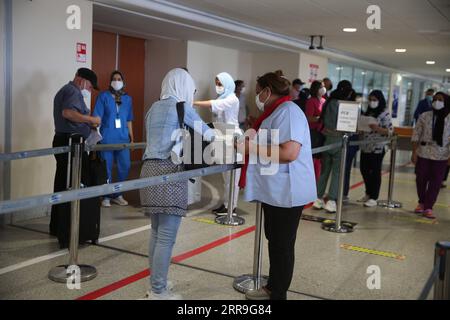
{"points": [[269, 110]]}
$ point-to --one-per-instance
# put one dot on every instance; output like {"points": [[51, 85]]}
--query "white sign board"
{"points": [[348, 116]]}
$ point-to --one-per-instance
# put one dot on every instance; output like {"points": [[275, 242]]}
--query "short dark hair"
{"points": [[431, 90], [238, 83]]}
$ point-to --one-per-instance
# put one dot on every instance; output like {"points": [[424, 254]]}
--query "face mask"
{"points": [[438, 105], [373, 104], [260, 104], [220, 90], [430, 99], [322, 91], [86, 96], [117, 85], [243, 90]]}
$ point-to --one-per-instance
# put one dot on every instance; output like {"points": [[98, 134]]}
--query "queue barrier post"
{"points": [[255, 281], [442, 262], [73, 272], [337, 226], [390, 203], [229, 219]]}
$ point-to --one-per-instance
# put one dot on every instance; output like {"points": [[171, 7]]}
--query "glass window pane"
{"points": [[368, 82], [378, 82], [358, 80], [333, 73], [387, 85], [347, 73]]}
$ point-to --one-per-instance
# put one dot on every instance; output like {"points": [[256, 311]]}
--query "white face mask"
{"points": [[260, 104], [220, 90], [243, 90], [438, 105], [322, 91], [373, 104], [86, 96], [117, 85]]}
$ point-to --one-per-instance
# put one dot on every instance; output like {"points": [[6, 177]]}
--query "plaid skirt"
{"points": [[171, 198]]}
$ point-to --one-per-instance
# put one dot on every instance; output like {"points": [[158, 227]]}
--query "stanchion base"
{"points": [[234, 221], [390, 204], [59, 274], [331, 227], [246, 283]]}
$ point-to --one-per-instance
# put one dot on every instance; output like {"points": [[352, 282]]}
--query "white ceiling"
{"points": [[420, 26]]}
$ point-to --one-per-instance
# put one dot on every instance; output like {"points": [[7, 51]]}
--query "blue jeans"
{"points": [[162, 239]]}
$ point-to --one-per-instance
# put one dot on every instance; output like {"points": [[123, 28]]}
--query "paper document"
{"points": [[365, 122], [94, 138]]}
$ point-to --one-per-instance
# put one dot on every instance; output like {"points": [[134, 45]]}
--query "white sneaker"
{"points": [[165, 295], [120, 201], [364, 199], [318, 204], [331, 207], [370, 203], [106, 203]]}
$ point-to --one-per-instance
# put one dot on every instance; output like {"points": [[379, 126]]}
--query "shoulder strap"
{"points": [[180, 112]]}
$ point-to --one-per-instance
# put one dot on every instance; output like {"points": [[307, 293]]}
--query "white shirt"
{"points": [[226, 110]]}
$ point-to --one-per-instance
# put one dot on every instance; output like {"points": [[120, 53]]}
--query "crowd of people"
{"points": [[305, 118]]}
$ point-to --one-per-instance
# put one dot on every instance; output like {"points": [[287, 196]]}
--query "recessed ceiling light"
{"points": [[448, 70], [350, 29], [400, 50], [431, 62]]}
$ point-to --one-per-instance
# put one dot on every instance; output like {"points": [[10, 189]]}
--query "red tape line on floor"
{"points": [[145, 273]]}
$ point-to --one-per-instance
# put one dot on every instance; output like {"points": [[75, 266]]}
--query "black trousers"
{"points": [[371, 166], [60, 182], [280, 225]]}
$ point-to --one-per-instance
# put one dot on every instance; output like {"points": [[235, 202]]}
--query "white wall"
{"points": [[161, 56], [44, 59], [305, 70], [205, 62]]}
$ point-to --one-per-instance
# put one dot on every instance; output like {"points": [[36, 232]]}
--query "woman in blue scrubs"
{"points": [[115, 108]]}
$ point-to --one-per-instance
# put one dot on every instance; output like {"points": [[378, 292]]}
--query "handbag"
{"points": [[182, 142]]}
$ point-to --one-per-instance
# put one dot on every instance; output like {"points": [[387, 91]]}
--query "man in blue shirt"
{"points": [[71, 116], [424, 105]]}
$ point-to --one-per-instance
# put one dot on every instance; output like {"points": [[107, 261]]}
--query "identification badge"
{"points": [[118, 124]]}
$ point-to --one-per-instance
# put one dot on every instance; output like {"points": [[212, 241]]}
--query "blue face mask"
{"points": [[430, 99]]}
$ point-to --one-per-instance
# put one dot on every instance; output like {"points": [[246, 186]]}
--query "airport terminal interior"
{"points": [[399, 48]]}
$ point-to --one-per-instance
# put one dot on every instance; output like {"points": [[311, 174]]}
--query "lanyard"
{"points": [[118, 110]]}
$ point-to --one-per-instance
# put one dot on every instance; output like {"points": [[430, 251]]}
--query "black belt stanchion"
{"points": [[390, 203], [442, 283], [256, 280], [229, 220], [82, 272], [337, 226]]}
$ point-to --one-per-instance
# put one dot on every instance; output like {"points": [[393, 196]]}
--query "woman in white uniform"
{"points": [[226, 110]]}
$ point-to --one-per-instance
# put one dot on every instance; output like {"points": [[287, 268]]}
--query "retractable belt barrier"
{"points": [[243, 283], [440, 276]]}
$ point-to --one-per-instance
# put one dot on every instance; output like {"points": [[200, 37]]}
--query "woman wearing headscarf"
{"points": [[281, 136], [226, 110], [115, 108], [166, 204], [331, 160], [372, 154], [431, 151]]}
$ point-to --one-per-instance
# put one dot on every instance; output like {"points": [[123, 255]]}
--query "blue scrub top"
{"points": [[106, 109], [289, 185]]}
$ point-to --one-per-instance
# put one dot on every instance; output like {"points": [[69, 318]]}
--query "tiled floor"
{"points": [[204, 267]]}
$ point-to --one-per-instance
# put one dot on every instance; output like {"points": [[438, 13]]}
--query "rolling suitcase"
{"points": [[93, 174]]}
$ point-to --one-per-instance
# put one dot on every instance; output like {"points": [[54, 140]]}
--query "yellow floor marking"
{"points": [[374, 252], [424, 221], [209, 221]]}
